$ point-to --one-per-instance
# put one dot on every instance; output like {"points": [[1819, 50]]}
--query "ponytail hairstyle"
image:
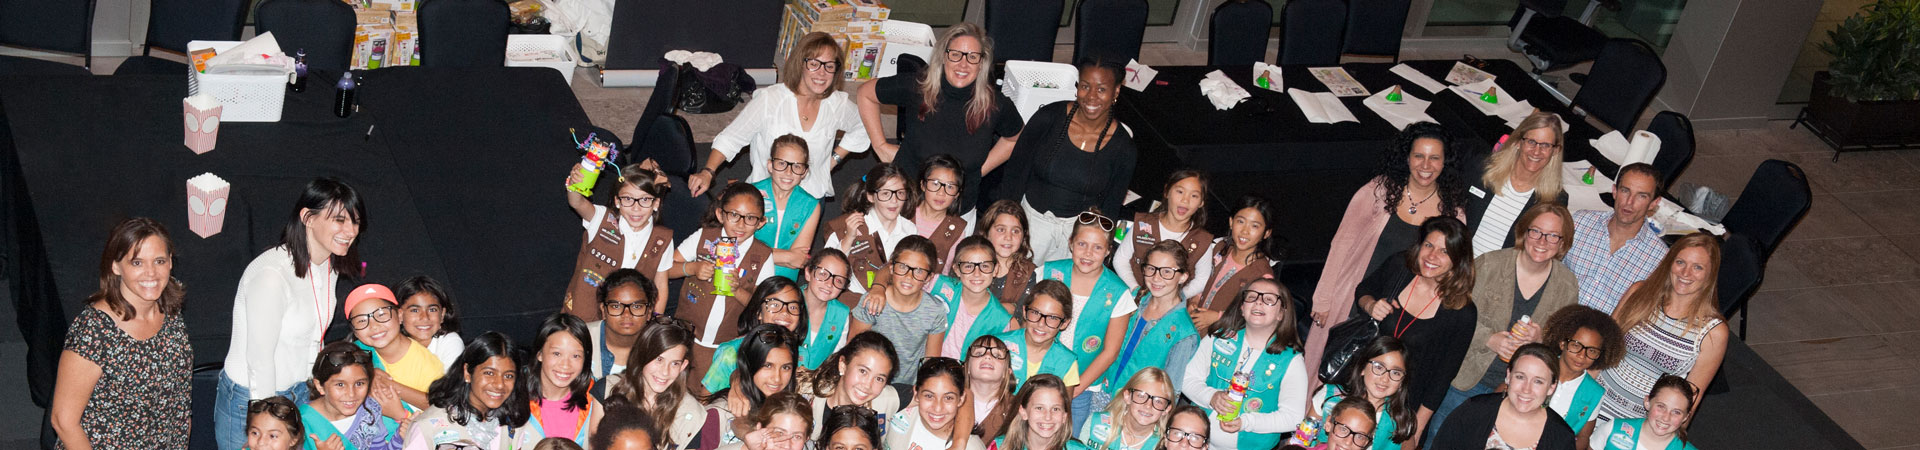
{"points": [[937, 161], [643, 179], [917, 244], [334, 358], [827, 377], [621, 418], [1233, 320], [1261, 205], [1060, 139], [1168, 247], [283, 410], [941, 366], [559, 323], [1185, 408], [870, 183], [1357, 404], [1017, 433], [849, 416], [620, 277], [1676, 382], [712, 220], [982, 106], [422, 284]]}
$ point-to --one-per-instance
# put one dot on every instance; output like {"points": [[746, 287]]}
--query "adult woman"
{"points": [[1669, 408], [775, 302], [349, 409], [402, 365], [1515, 419], [285, 303], [1098, 298], [1041, 423], [911, 318], [1187, 429], [1422, 298], [782, 422], [560, 406], [1255, 345], [990, 381], [1180, 217], [766, 368], [806, 103], [1238, 258], [857, 375], [848, 427], [274, 424], [1005, 225], [1136, 417], [793, 212], [943, 110], [627, 226], [1523, 169], [930, 422], [725, 247], [1672, 325], [972, 307], [827, 319], [1376, 375], [936, 214], [1588, 340], [1419, 178], [626, 302], [479, 401], [1160, 334], [658, 382], [870, 226], [126, 366], [1069, 158], [427, 316], [1510, 287]]}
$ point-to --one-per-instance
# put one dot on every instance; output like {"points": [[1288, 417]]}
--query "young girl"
{"points": [[626, 303], [625, 226], [428, 317], [766, 368], [1044, 315], [1159, 335], [1137, 416], [971, 306], [990, 382], [479, 401], [626, 428], [777, 302], [793, 212], [1238, 258], [1376, 375], [349, 409], [857, 375], [847, 427], [783, 422], [1041, 423], [1588, 340], [937, 213], [561, 406], [931, 422], [1665, 427], [410, 367], [274, 424], [1187, 430], [1099, 297], [1350, 426], [658, 382], [870, 225], [914, 320], [1255, 345], [725, 244], [1005, 225], [827, 319], [1181, 218]]}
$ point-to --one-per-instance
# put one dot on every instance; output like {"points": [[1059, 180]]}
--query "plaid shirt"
{"points": [[1604, 276]]}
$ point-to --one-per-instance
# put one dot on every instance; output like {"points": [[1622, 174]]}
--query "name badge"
{"points": [[1475, 190]]}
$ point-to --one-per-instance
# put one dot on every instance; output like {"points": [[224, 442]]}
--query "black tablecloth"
{"points": [[461, 175]]}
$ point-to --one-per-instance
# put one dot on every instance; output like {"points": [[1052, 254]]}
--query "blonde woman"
{"points": [[1523, 169], [807, 103], [1673, 327], [946, 109], [1136, 419]]}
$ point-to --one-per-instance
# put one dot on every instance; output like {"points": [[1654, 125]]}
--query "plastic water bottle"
{"points": [[1236, 395], [343, 100], [299, 71]]}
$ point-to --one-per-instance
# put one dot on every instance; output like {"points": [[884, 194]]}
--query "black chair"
{"points": [[666, 138], [1110, 30], [1623, 81], [174, 22], [59, 26], [1023, 30], [322, 28], [463, 33], [1550, 39], [1741, 270], [1772, 203], [1676, 144], [1310, 32], [1238, 34], [1374, 27]]}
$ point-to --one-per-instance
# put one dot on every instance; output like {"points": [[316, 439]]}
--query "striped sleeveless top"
{"points": [[1661, 346]]}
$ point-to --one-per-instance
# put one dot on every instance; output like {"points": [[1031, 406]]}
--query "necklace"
{"points": [[1415, 207]]}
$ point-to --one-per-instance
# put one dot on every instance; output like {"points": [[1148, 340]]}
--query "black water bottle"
{"points": [[299, 72], [343, 101]]}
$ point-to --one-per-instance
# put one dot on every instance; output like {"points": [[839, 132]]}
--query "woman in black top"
{"points": [[1517, 418], [1425, 300], [954, 115], [1074, 155]]}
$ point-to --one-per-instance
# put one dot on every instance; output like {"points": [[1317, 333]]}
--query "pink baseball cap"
{"points": [[366, 292]]}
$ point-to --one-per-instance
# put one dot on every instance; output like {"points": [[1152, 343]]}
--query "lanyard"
{"points": [[1398, 329], [321, 294]]}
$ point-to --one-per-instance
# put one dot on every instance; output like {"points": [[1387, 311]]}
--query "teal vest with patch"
{"points": [[1586, 399], [1263, 395], [1150, 349], [1091, 333], [993, 319], [1000, 443], [726, 357], [1058, 360], [1382, 429], [1100, 428], [821, 339], [1624, 434], [782, 233]]}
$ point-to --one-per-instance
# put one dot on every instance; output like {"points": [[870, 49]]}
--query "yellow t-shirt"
{"points": [[416, 370], [1072, 378]]}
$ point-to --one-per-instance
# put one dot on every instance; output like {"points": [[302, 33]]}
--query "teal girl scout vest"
{"points": [[1149, 349], [993, 319], [1382, 428], [1625, 435], [1101, 425], [726, 357], [1087, 336], [1000, 443], [1058, 361], [783, 232], [1586, 398], [821, 339], [1263, 396]]}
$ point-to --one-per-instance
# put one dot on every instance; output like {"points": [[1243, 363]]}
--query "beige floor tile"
{"points": [[1830, 217], [1803, 314], [1844, 261], [1783, 274], [1886, 307], [1889, 212], [1875, 418], [1857, 172], [1871, 362]]}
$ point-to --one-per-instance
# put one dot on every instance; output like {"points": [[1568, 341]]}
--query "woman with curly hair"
{"points": [[1588, 340]]}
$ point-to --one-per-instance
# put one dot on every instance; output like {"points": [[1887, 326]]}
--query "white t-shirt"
{"points": [[447, 347], [1286, 417], [1196, 282], [689, 250], [890, 237], [1122, 307], [343, 424], [635, 244], [1498, 220], [774, 112]]}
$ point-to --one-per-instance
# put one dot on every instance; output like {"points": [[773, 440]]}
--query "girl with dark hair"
{"points": [[274, 424], [1041, 423], [626, 304], [1350, 426], [776, 302], [913, 319], [561, 406], [967, 289], [1186, 429], [825, 278], [1072, 157], [1005, 225], [793, 212], [1376, 375], [847, 427], [127, 365], [1672, 322], [1517, 418], [481, 401], [1044, 316], [285, 302], [990, 382], [1588, 340], [807, 104], [627, 427], [856, 375], [1099, 304], [1669, 408], [944, 110], [724, 254], [349, 409], [766, 368], [932, 421], [1425, 300], [1180, 216], [1420, 177], [783, 422], [936, 213], [627, 225], [658, 383], [1238, 258], [404, 366], [427, 316], [1254, 350], [870, 228]]}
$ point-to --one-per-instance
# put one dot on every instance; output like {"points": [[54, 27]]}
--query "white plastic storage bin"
{"points": [[247, 93], [903, 38], [1033, 84], [524, 50]]}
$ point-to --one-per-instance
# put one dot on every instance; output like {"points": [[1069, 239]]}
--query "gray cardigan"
{"points": [[1494, 276]]}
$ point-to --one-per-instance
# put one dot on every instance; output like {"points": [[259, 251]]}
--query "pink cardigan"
{"points": [[1347, 258]]}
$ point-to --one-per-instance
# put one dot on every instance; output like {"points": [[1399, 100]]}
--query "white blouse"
{"points": [[278, 322], [774, 112], [889, 237]]}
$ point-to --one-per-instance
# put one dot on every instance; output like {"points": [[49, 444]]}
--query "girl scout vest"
{"points": [[993, 318], [601, 255], [1104, 434], [1218, 299], [370, 430], [1382, 429], [1087, 337], [699, 300], [1150, 348], [1057, 362], [1263, 394], [1586, 398], [785, 228], [821, 339], [1147, 231], [1019, 278], [949, 232], [866, 257], [1624, 434]]}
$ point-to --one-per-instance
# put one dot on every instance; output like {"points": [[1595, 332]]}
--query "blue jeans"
{"points": [[230, 411], [1084, 406], [1454, 398]]}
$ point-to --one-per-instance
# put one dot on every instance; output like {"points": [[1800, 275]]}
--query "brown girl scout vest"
{"points": [[600, 255], [1147, 231]]}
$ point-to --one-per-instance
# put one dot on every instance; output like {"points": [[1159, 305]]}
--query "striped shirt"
{"points": [[1605, 275], [1497, 221], [1662, 345]]}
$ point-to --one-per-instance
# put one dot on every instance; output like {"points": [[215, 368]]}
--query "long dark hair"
{"points": [[870, 183], [1393, 171], [1456, 286], [660, 335], [122, 243], [937, 161], [561, 322], [422, 284], [1355, 386], [827, 378], [750, 317], [849, 416], [755, 345], [1233, 320], [1263, 206], [281, 409], [712, 220], [322, 195], [1679, 383], [335, 357], [1199, 214], [450, 392]]}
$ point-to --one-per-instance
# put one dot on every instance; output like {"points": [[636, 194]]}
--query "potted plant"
{"points": [[1869, 97]]}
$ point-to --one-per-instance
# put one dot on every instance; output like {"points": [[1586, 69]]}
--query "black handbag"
{"points": [[1343, 341], [716, 90]]}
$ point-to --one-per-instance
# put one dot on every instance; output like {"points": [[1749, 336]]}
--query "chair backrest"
{"points": [[1109, 29], [1676, 144], [61, 26], [675, 161], [1023, 29], [1741, 269], [323, 28], [1238, 33], [463, 33], [174, 22], [205, 384], [1310, 32], [1374, 27], [1623, 81], [1772, 203]]}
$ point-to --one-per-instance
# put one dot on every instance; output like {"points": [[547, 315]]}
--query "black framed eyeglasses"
{"points": [[778, 305], [971, 57], [1164, 273], [821, 274], [382, 315], [620, 309], [781, 165], [1139, 397], [1260, 297], [933, 186], [735, 217], [815, 65], [889, 194], [1092, 218], [916, 272], [1051, 321], [1342, 431], [629, 202], [1381, 369], [982, 351], [1573, 346], [1543, 236], [963, 267]]}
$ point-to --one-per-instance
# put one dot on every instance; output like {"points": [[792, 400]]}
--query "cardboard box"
{"points": [[843, 10], [863, 55], [405, 50]]}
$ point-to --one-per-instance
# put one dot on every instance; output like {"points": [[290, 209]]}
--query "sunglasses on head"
{"points": [[1093, 218]]}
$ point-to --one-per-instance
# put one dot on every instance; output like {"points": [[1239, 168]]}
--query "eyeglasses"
{"points": [[1381, 369], [382, 315], [778, 305], [981, 351], [781, 165], [943, 187], [971, 57], [918, 273], [629, 202], [889, 194], [735, 217], [620, 309], [1164, 273], [1090, 218], [1536, 233], [964, 267], [821, 274], [1573, 346], [815, 65], [1342, 431], [1084, 86], [1191, 439], [1530, 143], [1260, 297], [1139, 397], [1051, 321]]}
